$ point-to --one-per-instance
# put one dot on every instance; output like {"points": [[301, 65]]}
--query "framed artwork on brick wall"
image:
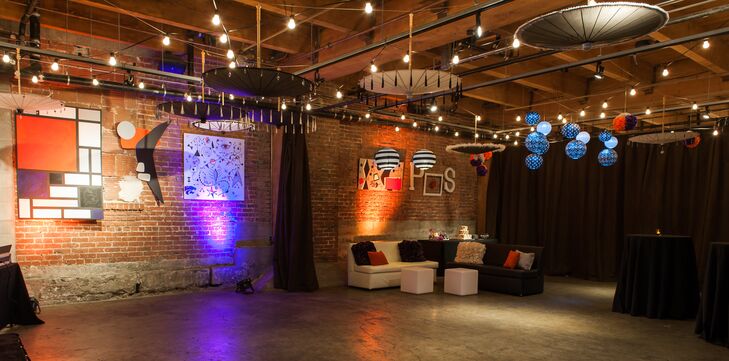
{"points": [[433, 184], [371, 178], [59, 164], [214, 168]]}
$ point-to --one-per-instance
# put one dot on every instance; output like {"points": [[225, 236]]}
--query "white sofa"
{"points": [[371, 277]]}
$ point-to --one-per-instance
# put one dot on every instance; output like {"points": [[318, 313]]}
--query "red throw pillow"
{"points": [[511, 260], [377, 258]]}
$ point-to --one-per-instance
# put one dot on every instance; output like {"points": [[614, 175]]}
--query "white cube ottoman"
{"points": [[461, 281], [416, 280]]}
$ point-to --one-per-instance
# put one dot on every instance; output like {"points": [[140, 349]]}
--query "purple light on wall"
{"points": [[214, 223]]}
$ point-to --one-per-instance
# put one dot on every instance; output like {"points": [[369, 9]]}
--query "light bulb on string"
{"points": [[506, 137], [368, 115], [605, 104], [518, 133], [283, 105], [437, 128], [433, 108], [694, 106], [232, 64], [564, 120], [308, 106], [415, 124], [406, 58], [397, 129], [478, 118], [516, 142], [6, 58], [112, 59], [166, 40], [339, 94], [223, 38], [230, 54], [495, 136], [706, 44], [402, 116], [518, 118], [440, 118], [633, 92], [665, 71], [715, 132], [140, 84], [292, 23], [94, 81], [456, 134], [516, 43], [456, 59], [647, 111], [188, 97], [216, 19], [475, 136], [559, 116], [582, 112], [373, 67], [368, 8], [34, 79], [231, 96], [531, 129], [54, 65], [602, 115]]}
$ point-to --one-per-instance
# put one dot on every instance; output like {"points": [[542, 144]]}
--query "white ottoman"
{"points": [[416, 280], [461, 281]]}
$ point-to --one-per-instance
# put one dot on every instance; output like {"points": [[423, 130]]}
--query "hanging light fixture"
{"points": [[368, 8], [387, 158], [54, 65], [599, 71], [216, 19], [633, 92], [373, 67], [224, 38], [230, 54], [424, 159], [112, 59], [292, 23], [166, 40]]}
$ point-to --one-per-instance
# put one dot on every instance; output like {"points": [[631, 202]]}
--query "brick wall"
{"points": [[343, 213]]}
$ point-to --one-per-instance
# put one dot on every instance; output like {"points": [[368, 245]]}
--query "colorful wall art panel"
{"points": [[59, 164], [214, 168], [371, 178], [144, 142]]}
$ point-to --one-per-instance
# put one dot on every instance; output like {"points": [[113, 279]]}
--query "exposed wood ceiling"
{"points": [[327, 29]]}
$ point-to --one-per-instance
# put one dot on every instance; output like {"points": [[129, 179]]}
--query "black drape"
{"points": [[293, 236], [580, 211]]}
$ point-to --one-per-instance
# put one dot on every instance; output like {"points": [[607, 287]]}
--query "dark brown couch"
{"points": [[492, 276]]}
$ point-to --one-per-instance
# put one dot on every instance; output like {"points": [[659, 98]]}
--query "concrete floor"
{"points": [[570, 321]]}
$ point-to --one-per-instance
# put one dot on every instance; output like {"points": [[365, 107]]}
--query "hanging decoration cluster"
{"points": [[532, 118], [537, 142], [692, 143], [478, 161], [624, 121], [608, 156], [577, 147]]}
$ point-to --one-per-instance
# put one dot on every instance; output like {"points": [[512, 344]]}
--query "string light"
{"points": [[706, 44], [373, 67], [141, 84], [406, 58], [339, 94], [223, 38], [6, 58], [516, 142], [216, 19], [188, 97], [506, 137], [478, 118], [397, 129], [518, 118], [367, 115], [665, 71], [433, 108], [582, 112], [112, 59], [232, 64], [559, 116], [564, 120], [402, 116], [647, 111], [54, 65], [368, 8], [456, 134], [292, 23], [34, 79], [531, 129], [496, 136], [440, 118], [166, 41], [475, 136], [605, 104], [437, 128], [602, 115], [695, 106], [415, 124], [715, 132], [633, 92], [517, 133], [94, 81], [283, 106], [231, 97], [516, 43], [308, 107], [230, 54], [456, 59]]}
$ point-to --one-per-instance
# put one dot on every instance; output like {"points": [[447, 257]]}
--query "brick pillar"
{"points": [[7, 174]]}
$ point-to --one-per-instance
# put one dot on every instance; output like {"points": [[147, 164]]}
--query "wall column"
{"points": [[7, 175]]}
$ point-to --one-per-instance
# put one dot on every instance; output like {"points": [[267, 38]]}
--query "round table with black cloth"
{"points": [[657, 277], [712, 321], [15, 306]]}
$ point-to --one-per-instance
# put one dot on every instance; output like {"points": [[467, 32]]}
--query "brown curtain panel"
{"points": [[580, 211], [293, 260]]}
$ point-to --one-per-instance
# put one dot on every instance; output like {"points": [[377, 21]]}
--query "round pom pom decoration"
{"points": [[544, 128], [481, 170], [476, 160], [607, 157], [570, 130], [537, 143], [533, 161], [575, 149], [624, 121], [692, 143], [532, 118]]}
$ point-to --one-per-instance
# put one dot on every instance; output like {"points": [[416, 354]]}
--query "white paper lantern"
{"points": [[387, 159], [424, 159]]}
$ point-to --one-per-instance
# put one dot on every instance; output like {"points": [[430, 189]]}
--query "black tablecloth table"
{"points": [[658, 277], [15, 306], [712, 321]]}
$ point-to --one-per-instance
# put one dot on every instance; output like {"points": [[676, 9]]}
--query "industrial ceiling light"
{"points": [[479, 29], [224, 38], [633, 92], [373, 67], [368, 8], [599, 71], [166, 40], [54, 65], [456, 59], [230, 54], [292, 23], [112, 59], [216, 19], [706, 44]]}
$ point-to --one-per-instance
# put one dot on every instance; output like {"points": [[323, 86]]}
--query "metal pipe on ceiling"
{"points": [[529, 74], [404, 35]]}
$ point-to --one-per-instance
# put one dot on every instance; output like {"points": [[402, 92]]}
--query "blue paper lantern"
{"points": [[537, 143], [424, 159], [583, 137], [532, 118], [570, 130], [611, 143], [607, 157], [605, 135], [387, 159], [544, 128], [533, 161], [575, 149]]}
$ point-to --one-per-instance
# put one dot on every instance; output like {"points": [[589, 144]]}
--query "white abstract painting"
{"points": [[214, 168]]}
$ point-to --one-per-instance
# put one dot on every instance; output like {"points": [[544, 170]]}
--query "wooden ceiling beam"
{"points": [[713, 59], [283, 12]]}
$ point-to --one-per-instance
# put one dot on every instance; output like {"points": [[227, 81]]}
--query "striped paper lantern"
{"points": [[387, 159], [424, 159]]}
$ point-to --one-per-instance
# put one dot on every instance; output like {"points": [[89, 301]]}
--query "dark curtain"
{"points": [[580, 211], [293, 236]]}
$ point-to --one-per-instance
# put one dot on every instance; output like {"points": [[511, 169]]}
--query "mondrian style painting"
{"points": [[59, 164]]}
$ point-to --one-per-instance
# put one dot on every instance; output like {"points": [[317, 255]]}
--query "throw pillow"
{"points": [[377, 258], [359, 252], [511, 260], [411, 251], [470, 252], [526, 260]]}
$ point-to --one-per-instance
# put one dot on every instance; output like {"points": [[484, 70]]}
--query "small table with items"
{"points": [[15, 306], [712, 322], [657, 277]]}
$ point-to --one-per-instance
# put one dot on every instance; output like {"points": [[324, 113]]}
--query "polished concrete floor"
{"points": [[570, 321]]}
